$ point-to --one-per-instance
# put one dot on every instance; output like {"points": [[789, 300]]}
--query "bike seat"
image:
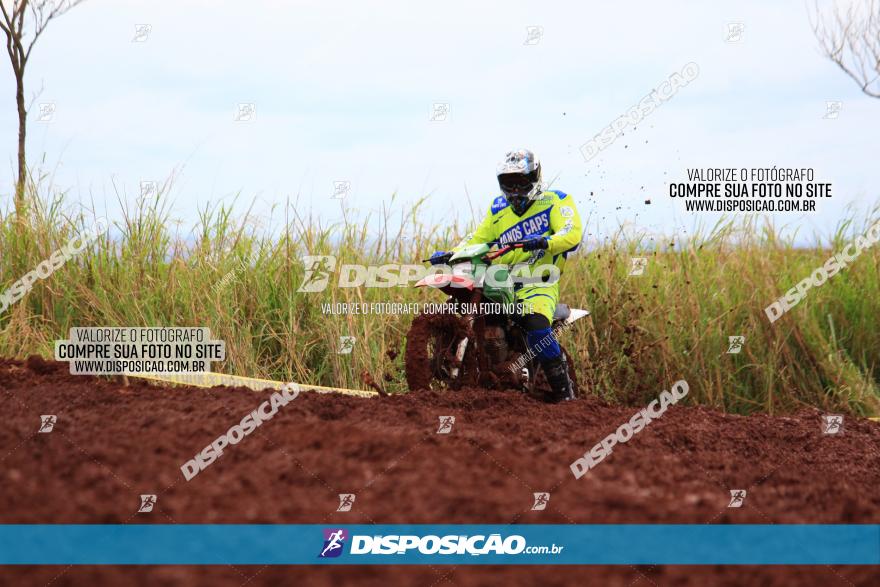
{"points": [[562, 312]]}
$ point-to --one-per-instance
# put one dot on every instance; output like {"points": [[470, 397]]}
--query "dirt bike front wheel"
{"points": [[430, 355]]}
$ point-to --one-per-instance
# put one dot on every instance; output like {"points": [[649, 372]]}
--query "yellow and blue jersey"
{"points": [[552, 215]]}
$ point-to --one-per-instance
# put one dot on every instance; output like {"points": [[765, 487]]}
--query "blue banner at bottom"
{"points": [[626, 544]]}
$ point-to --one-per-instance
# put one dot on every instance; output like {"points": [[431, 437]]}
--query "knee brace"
{"points": [[543, 343]]}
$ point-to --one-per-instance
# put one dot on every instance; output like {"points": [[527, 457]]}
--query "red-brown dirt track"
{"points": [[112, 443]]}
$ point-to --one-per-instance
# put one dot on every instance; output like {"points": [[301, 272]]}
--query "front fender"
{"points": [[442, 281]]}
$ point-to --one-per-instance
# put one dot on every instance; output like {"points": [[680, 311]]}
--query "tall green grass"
{"points": [[645, 331]]}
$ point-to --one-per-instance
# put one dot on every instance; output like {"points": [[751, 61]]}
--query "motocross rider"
{"points": [[549, 227]]}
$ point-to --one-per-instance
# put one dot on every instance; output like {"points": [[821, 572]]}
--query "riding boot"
{"points": [[556, 371]]}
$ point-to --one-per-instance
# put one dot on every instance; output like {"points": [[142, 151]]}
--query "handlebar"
{"points": [[503, 251], [497, 253]]}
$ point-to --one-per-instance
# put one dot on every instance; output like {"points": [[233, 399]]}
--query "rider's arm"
{"points": [[484, 233], [565, 223]]}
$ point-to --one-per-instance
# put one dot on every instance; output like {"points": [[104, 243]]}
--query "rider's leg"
{"points": [[539, 304]]}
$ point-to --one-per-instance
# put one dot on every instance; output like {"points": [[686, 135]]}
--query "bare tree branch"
{"points": [[39, 14], [42, 16], [850, 38]]}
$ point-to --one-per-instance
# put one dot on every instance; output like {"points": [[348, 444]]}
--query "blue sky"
{"points": [[343, 91]]}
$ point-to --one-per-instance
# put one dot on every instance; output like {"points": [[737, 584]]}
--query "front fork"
{"points": [[461, 349]]}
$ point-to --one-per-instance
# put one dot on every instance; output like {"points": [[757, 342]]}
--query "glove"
{"points": [[440, 258], [533, 244]]}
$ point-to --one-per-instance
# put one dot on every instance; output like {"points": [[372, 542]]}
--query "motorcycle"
{"points": [[475, 340]]}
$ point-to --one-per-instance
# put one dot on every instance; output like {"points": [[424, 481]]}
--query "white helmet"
{"points": [[519, 176]]}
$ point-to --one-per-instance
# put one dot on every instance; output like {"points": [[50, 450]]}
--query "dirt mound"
{"points": [[112, 443]]}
